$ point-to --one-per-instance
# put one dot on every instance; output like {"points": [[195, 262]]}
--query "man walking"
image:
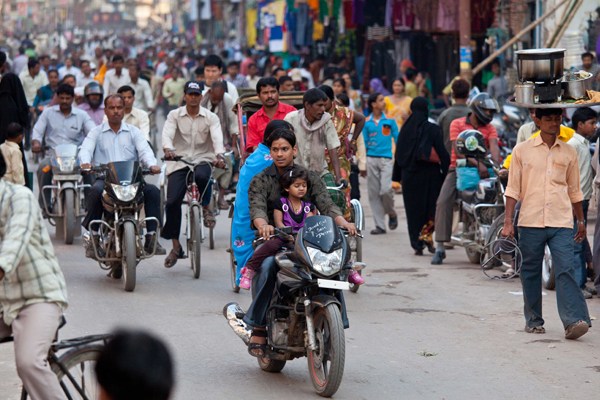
{"points": [[544, 176]]}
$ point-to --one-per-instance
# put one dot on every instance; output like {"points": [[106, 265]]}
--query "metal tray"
{"points": [[552, 105]]}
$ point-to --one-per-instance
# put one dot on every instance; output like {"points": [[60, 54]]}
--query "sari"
{"points": [[342, 121], [395, 111]]}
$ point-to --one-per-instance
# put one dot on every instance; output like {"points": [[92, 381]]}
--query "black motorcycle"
{"points": [[305, 317], [120, 246]]}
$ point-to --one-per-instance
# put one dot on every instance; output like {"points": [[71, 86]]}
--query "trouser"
{"points": [[354, 188], [379, 184], [580, 251], [223, 175], [267, 249], [569, 298], [263, 286], [93, 201], [33, 331], [176, 188], [444, 208]]}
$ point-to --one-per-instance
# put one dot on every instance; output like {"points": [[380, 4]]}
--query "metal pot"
{"points": [[575, 86], [524, 93], [540, 65]]}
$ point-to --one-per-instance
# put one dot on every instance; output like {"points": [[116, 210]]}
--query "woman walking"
{"points": [[421, 165], [398, 103]]}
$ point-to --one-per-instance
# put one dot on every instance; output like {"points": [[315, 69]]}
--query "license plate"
{"points": [[330, 284]]}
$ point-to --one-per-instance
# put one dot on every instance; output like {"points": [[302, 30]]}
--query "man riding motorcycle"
{"points": [[114, 141], [93, 105], [56, 125], [482, 109]]}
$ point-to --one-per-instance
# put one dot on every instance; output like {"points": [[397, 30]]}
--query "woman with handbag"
{"points": [[421, 164]]}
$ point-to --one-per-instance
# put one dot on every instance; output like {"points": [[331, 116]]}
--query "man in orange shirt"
{"points": [[544, 176], [272, 109]]}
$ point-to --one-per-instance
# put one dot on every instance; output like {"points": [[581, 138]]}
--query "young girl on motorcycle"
{"points": [[289, 211]]}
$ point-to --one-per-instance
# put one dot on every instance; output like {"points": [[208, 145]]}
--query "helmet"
{"points": [[93, 88], [484, 106], [471, 143]]}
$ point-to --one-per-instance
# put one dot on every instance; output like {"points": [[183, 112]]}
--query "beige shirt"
{"points": [[172, 91], [32, 273], [546, 181], [312, 142], [32, 85], [194, 137], [139, 119], [14, 163]]}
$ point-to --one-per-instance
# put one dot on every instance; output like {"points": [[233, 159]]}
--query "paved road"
{"points": [[417, 331]]}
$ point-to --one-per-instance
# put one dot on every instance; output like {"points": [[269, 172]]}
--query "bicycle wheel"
{"points": [[75, 371], [195, 240]]}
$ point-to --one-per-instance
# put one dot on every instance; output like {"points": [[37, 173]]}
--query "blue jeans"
{"points": [[580, 250], [570, 302]]}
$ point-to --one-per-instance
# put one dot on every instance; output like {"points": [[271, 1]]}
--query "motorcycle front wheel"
{"points": [[128, 256], [69, 220], [326, 363]]}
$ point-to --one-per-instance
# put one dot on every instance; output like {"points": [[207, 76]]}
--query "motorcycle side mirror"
{"points": [[359, 266]]}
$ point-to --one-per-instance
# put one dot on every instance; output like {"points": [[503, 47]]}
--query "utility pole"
{"points": [[464, 29]]}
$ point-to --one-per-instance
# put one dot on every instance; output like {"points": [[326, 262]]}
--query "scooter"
{"points": [[307, 314]]}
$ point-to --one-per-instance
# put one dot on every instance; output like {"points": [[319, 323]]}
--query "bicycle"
{"points": [[355, 242], [194, 216], [74, 368]]}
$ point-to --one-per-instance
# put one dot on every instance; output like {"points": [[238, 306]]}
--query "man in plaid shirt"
{"points": [[33, 293]]}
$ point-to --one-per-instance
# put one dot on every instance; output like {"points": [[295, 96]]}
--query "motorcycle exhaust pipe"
{"points": [[233, 313]]}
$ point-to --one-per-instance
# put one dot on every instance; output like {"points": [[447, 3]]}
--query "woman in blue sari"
{"points": [[242, 234]]}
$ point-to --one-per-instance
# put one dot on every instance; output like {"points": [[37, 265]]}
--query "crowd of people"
{"points": [[104, 99]]}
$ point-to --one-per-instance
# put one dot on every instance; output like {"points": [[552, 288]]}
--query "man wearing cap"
{"points": [[544, 177], [193, 133]]}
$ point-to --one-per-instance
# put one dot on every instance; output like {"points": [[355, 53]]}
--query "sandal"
{"points": [[246, 279], [509, 273], [256, 349], [209, 218], [535, 329], [173, 257], [223, 205]]}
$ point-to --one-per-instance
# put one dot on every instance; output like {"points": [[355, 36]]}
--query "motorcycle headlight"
{"points": [[66, 164], [125, 193], [325, 263]]}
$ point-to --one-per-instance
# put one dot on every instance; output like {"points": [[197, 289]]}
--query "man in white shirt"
{"points": [[115, 77], [133, 115], [252, 76], [213, 71], [32, 79], [86, 75], [68, 69], [142, 90]]}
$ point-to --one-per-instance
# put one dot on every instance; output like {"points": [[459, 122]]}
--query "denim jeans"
{"points": [[569, 298], [580, 250]]}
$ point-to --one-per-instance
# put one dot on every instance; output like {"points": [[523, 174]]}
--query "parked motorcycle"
{"points": [[305, 318], [120, 246], [66, 206], [507, 123], [476, 210]]}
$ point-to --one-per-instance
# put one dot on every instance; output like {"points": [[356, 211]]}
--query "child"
{"points": [[12, 154], [289, 211]]}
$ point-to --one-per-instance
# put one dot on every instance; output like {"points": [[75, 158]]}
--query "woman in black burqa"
{"points": [[421, 165], [13, 108]]}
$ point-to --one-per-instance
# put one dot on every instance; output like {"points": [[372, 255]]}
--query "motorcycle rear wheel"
{"points": [[326, 363], [195, 245], [129, 256]]}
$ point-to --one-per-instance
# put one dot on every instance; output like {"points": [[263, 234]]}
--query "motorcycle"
{"points": [[507, 123], [66, 206], [120, 245], [477, 214], [305, 317]]}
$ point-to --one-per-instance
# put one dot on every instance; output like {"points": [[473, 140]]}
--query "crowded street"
{"points": [[276, 199]]}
